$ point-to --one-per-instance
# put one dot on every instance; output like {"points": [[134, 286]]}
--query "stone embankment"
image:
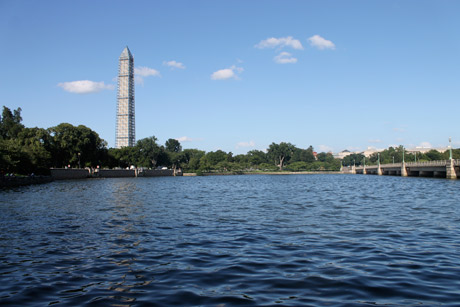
{"points": [[62, 174]]}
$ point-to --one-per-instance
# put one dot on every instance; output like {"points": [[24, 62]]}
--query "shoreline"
{"points": [[261, 173]]}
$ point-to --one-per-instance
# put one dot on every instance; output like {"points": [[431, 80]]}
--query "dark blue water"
{"points": [[300, 240]]}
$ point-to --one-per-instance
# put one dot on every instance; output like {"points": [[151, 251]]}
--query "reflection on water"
{"points": [[237, 240]]}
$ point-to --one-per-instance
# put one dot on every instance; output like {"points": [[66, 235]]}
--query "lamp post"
{"points": [[415, 159], [378, 155], [79, 154], [403, 154], [450, 148], [393, 159]]}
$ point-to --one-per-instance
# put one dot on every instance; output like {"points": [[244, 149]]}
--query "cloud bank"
{"points": [[85, 86]]}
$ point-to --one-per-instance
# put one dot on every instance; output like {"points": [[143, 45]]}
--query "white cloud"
{"points": [[141, 72], [375, 141], [227, 73], [245, 144], [281, 42], [85, 86], [188, 139], [324, 148], [146, 72], [285, 58], [321, 43], [399, 129], [174, 64]]}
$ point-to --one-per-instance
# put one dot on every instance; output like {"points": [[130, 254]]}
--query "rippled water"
{"points": [[300, 240]]}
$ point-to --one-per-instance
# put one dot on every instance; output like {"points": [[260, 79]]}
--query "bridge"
{"points": [[443, 169]]}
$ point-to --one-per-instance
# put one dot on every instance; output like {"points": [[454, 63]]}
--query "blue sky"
{"points": [[239, 75]]}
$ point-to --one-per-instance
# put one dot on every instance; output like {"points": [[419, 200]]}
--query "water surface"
{"points": [[299, 240]]}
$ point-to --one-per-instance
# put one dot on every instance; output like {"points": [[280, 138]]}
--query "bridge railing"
{"points": [[413, 164], [429, 163], [391, 165], [434, 163]]}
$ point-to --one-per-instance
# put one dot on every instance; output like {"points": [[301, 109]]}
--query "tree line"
{"points": [[35, 150]]}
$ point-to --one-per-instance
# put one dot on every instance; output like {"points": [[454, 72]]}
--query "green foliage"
{"points": [[298, 166], [75, 146], [173, 145], [280, 154], [303, 155], [434, 155], [177, 159], [268, 167], [146, 153], [256, 157], [192, 159], [22, 150], [353, 159], [10, 123], [215, 157], [35, 144]]}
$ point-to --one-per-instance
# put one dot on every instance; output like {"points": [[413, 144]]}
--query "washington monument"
{"points": [[125, 128]]}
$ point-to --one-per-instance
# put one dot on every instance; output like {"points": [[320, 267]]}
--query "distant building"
{"points": [[125, 127], [315, 154], [342, 154]]}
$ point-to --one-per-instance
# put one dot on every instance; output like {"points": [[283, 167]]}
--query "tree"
{"points": [[177, 159], [150, 154], [357, 159], [280, 153], [75, 145], [304, 155], [212, 158], [434, 155], [35, 144], [192, 159], [147, 152], [257, 157], [10, 123], [123, 157], [173, 145]]}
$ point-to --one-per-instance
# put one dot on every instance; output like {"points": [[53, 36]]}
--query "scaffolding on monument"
{"points": [[125, 122]]}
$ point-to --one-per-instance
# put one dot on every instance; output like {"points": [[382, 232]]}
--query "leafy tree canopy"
{"points": [[173, 145]]}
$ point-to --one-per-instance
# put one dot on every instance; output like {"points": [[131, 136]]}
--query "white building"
{"points": [[125, 127]]}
